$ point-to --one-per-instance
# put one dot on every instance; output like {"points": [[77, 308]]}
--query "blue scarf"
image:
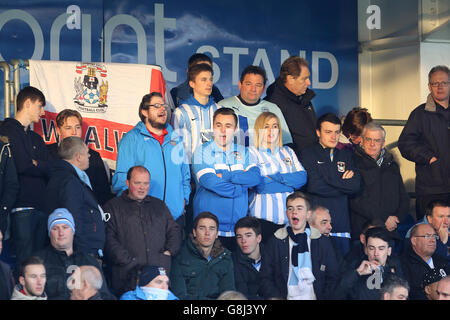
{"points": [[301, 244], [301, 258]]}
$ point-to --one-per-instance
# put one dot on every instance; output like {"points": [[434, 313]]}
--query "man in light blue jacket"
{"points": [[153, 144]]}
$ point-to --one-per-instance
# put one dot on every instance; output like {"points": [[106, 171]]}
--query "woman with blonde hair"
{"points": [[282, 174]]}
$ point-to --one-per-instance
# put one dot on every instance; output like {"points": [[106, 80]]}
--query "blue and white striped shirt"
{"points": [[282, 173], [194, 122]]}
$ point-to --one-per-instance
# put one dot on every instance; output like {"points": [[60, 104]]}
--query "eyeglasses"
{"points": [[156, 105], [369, 140], [439, 84], [429, 236]]}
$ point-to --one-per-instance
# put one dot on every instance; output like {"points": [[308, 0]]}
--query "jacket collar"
{"points": [[303, 99], [282, 233], [216, 250], [431, 104]]}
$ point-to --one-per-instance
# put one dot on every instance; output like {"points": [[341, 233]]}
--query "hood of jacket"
{"points": [[18, 295], [282, 233]]}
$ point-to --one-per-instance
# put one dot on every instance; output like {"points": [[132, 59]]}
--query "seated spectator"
{"points": [[203, 268], [352, 128], [281, 174], [32, 280], [437, 215], [298, 264], [85, 283], [321, 220], [6, 277], [443, 289], [127, 249], [364, 282], [153, 285], [247, 257], [394, 288], [232, 295], [420, 257], [61, 257], [430, 283]]}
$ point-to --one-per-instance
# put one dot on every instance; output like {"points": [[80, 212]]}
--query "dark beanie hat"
{"points": [[149, 273], [433, 275]]}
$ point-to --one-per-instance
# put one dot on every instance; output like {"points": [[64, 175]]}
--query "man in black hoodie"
{"points": [[291, 94], [28, 221]]}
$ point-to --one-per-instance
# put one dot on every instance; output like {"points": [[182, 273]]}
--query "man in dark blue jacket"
{"points": [[332, 177], [299, 263], [28, 220], [69, 187]]}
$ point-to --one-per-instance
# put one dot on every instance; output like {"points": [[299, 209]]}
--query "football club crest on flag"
{"points": [[90, 94], [288, 161], [341, 166], [237, 155]]}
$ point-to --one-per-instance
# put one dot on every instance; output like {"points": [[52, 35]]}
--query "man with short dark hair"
{"points": [[69, 187], [69, 123], [247, 257], [223, 175], [153, 144], [425, 140], [183, 91], [394, 288], [203, 268], [291, 94], [299, 263], [141, 232], [248, 105], [32, 280], [31, 161], [420, 257], [332, 178], [364, 282]]}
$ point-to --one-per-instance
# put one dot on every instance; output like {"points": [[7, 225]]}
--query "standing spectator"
{"points": [[153, 144], [69, 187], [383, 195], [203, 269], [6, 277], [223, 173], [193, 120], [298, 264], [85, 283], [332, 178], [61, 258], [184, 90], [419, 258], [394, 288], [247, 257], [281, 174], [248, 105], [425, 140], [32, 280], [141, 232], [9, 184], [291, 94], [153, 285], [30, 155], [352, 128], [68, 124]]}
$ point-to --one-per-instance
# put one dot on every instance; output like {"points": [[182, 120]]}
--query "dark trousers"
{"points": [[28, 232], [423, 200]]}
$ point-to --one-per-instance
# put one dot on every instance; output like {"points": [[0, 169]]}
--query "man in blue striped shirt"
{"points": [[193, 120]]}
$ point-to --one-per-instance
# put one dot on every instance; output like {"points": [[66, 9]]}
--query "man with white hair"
{"points": [[85, 283], [443, 289]]}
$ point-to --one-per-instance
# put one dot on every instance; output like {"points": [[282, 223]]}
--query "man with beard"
{"points": [[153, 145]]}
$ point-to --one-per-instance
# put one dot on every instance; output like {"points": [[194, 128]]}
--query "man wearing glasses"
{"points": [[152, 144], [425, 140], [420, 257], [383, 195]]}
